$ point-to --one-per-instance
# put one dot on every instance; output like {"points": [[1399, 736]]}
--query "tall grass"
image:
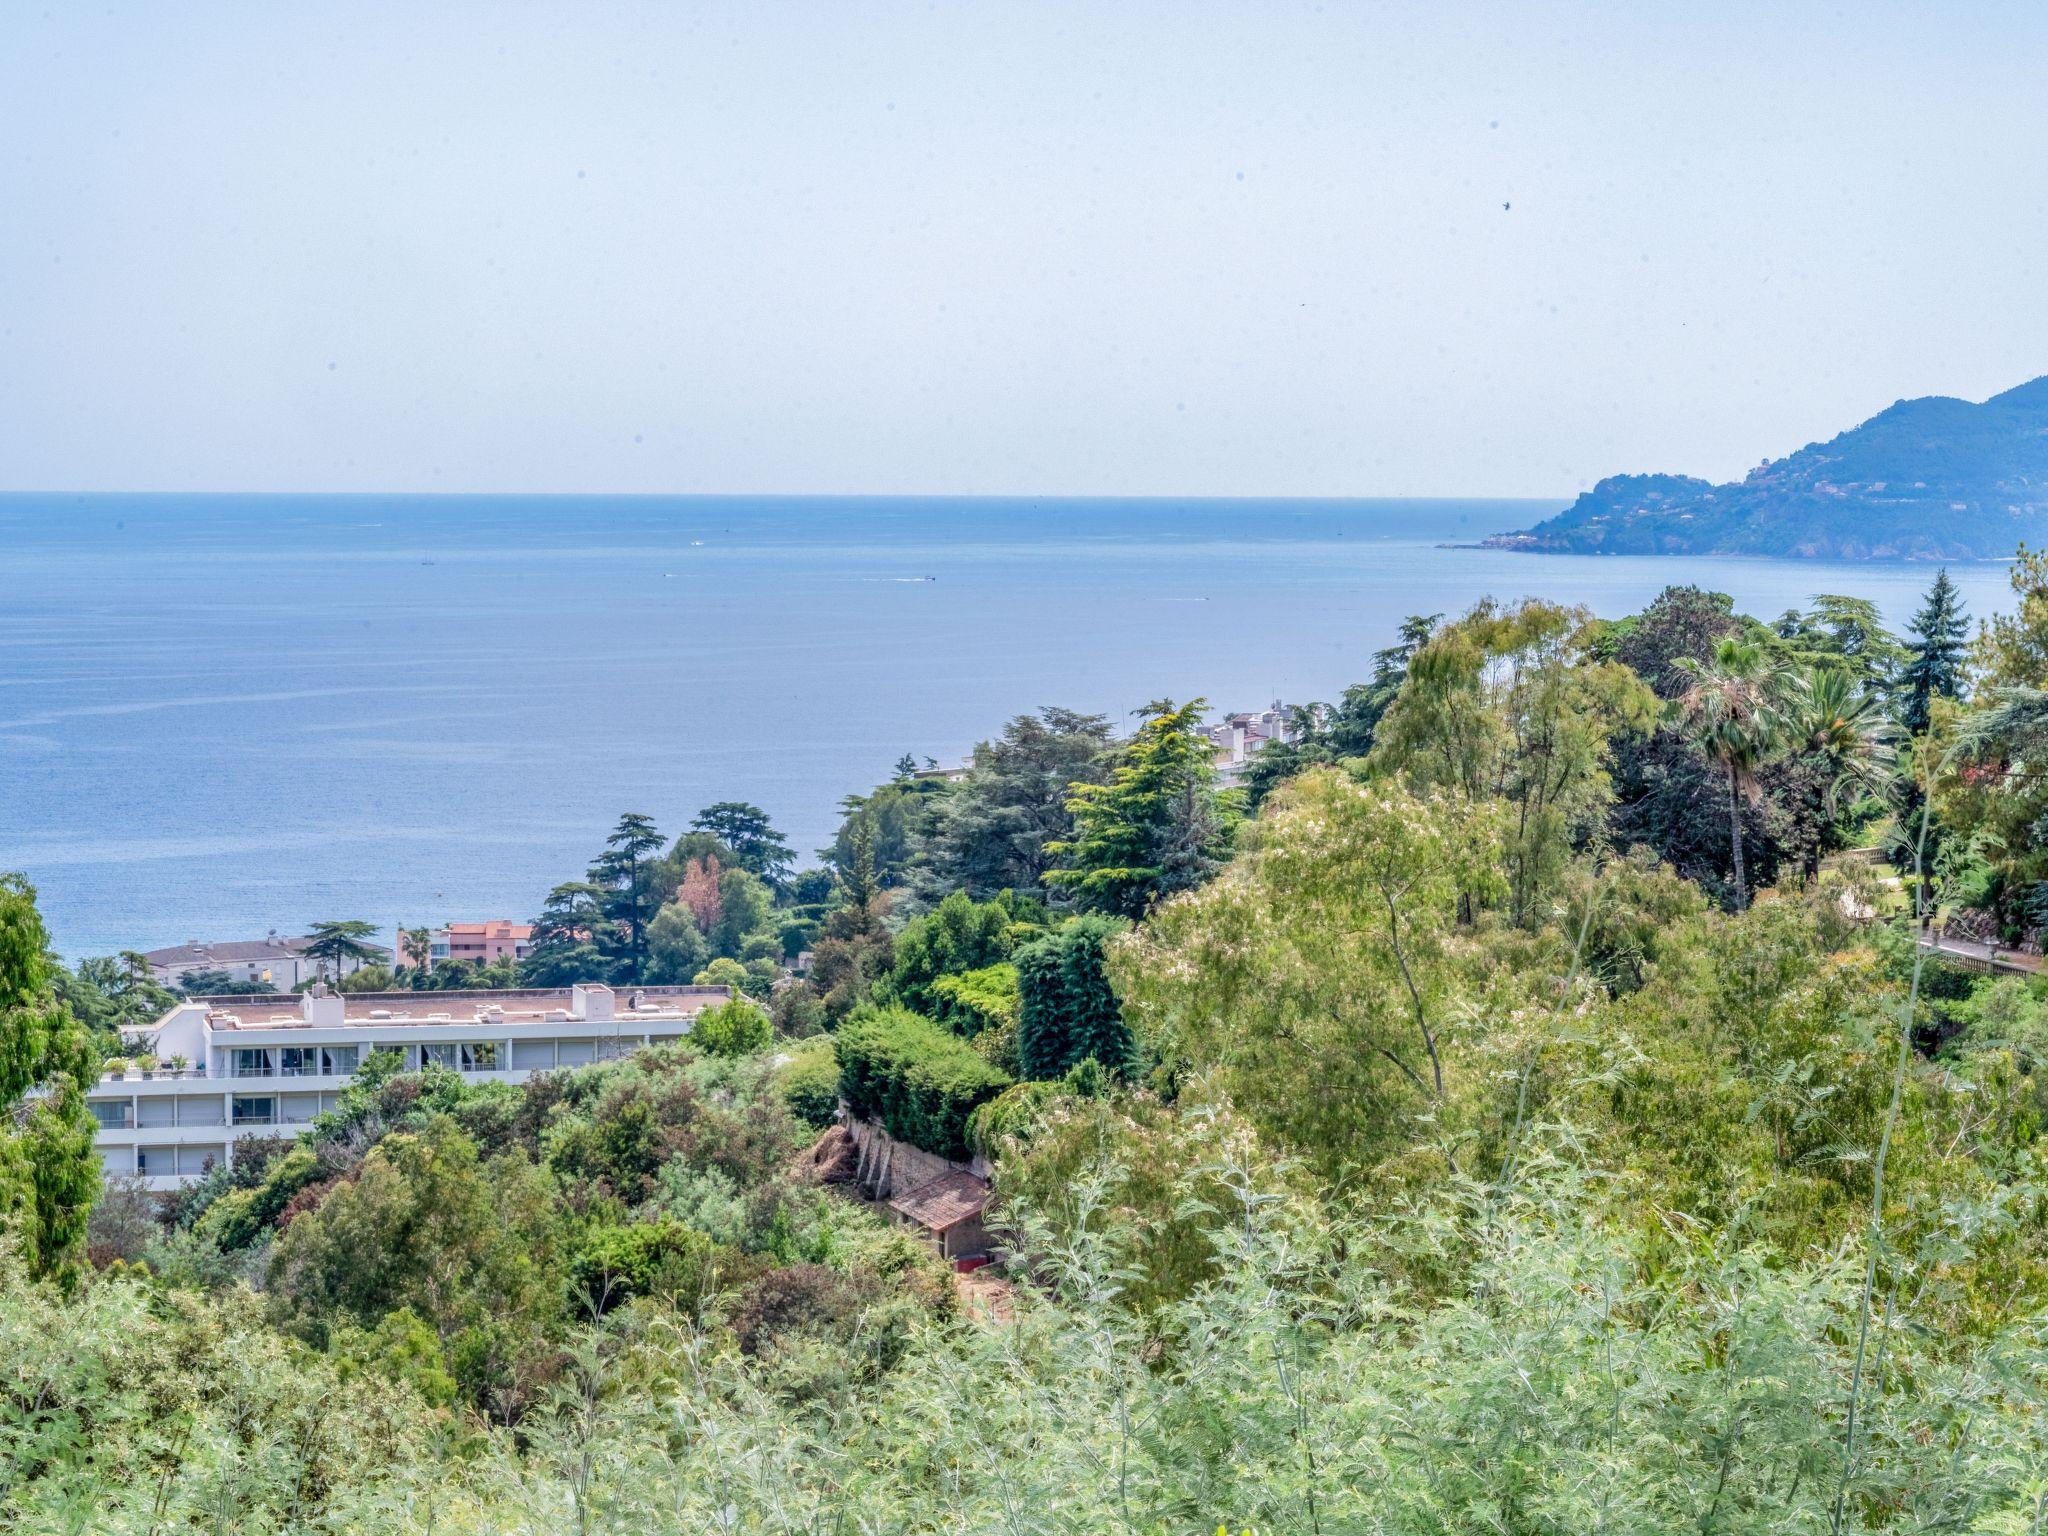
{"points": [[1583, 1382]]}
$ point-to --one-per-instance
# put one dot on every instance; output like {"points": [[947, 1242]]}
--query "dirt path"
{"points": [[986, 1295]]}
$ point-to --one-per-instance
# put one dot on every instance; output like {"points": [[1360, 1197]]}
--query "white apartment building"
{"points": [[265, 1065], [276, 961]]}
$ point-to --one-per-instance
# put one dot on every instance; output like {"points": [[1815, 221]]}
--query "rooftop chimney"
{"points": [[590, 1000], [323, 1008]]}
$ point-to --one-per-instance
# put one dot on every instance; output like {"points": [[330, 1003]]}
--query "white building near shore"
{"points": [[277, 961], [261, 1065]]}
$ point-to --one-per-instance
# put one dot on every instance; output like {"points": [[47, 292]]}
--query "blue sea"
{"points": [[225, 714]]}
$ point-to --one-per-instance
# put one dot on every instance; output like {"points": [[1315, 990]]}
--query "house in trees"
{"points": [[949, 1210], [1240, 737]]}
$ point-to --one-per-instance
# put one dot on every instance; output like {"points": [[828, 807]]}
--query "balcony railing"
{"points": [[159, 1075], [243, 1073]]}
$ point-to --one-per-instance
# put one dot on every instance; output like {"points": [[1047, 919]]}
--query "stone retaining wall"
{"points": [[888, 1167]]}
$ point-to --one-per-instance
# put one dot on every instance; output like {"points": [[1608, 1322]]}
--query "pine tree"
{"points": [[338, 943], [1935, 658], [49, 1176], [746, 830], [1160, 824], [622, 870]]}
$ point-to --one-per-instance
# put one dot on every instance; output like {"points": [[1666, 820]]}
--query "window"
{"points": [[111, 1117], [158, 1111], [255, 1111], [117, 1160], [299, 1108], [156, 1162], [196, 1160], [300, 1061], [253, 1063], [533, 1055], [440, 1055], [480, 1056], [206, 1111], [339, 1060], [576, 1053]]}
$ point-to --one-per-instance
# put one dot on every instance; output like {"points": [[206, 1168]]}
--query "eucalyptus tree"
{"points": [[1318, 979], [1512, 705]]}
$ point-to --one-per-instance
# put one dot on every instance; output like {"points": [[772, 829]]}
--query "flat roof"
{"points": [[377, 1010]]}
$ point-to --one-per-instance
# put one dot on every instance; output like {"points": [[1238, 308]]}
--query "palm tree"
{"points": [[418, 945], [1730, 708], [1842, 729]]}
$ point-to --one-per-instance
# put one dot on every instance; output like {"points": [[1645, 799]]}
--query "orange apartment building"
{"points": [[481, 943]]}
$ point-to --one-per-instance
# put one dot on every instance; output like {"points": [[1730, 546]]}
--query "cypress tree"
{"points": [[49, 1175], [1067, 1009]]}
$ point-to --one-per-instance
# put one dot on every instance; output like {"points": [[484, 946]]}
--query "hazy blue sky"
{"points": [[1118, 247]]}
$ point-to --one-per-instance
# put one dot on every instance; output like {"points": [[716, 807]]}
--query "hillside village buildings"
{"points": [[229, 1067], [275, 961], [1240, 737]]}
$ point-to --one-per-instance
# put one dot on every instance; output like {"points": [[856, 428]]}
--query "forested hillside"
{"points": [[1524, 1103], [1934, 478]]}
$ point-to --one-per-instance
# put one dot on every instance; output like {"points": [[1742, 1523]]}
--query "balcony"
{"points": [[160, 1075]]}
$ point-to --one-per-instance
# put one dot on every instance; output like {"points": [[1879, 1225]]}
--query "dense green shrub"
{"points": [[975, 1001], [401, 1348], [473, 1246], [957, 935], [1066, 1008], [809, 1081], [918, 1079], [618, 1261], [238, 1218], [736, 1028]]}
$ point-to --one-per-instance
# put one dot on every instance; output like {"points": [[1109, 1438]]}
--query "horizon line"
{"points": [[1159, 496]]}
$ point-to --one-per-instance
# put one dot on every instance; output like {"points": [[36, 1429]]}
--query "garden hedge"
{"points": [[919, 1079]]}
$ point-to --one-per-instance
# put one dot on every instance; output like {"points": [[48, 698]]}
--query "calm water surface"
{"points": [[220, 715]]}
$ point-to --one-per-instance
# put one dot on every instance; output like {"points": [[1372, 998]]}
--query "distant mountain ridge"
{"points": [[1929, 479]]}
